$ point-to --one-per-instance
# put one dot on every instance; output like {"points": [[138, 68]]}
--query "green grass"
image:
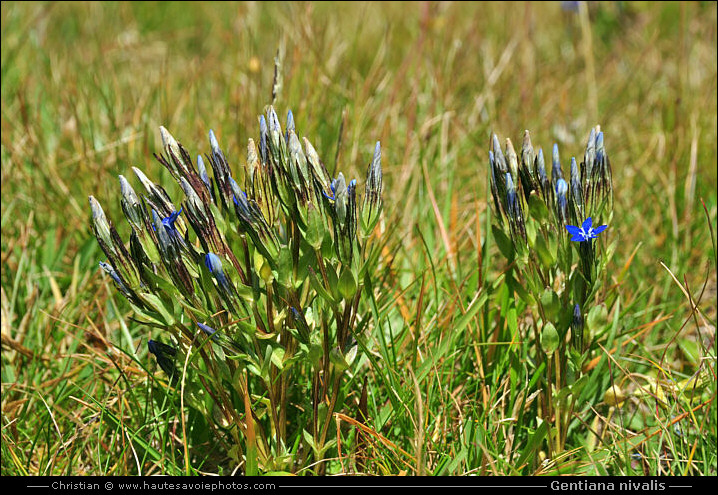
{"points": [[86, 86]]}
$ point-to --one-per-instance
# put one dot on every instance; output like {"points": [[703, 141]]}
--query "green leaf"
{"points": [[285, 267], [309, 439], [350, 355], [513, 323], [315, 354], [502, 240], [551, 304], [347, 284], [578, 386], [266, 362], [164, 285], [253, 369], [278, 357], [690, 350], [158, 305], [549, 339], [335, 356], [531, 233], [319, 287], [315, 227], [333, 281], [545, 254], [533, 443], [537, 208], [597, 319]]}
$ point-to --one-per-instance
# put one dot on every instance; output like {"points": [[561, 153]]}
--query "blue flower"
{"points": [[169, 222], [337, 184], [164, 236], [333, 187], [586, 231]]}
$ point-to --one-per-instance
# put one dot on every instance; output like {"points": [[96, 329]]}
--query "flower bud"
{"points": [[577, 328], [339, 188], [600, 150], [512, 159], [240, 202], [590, 154], [203, 173], [290, 125], [116, 278], [100, 225], [165, 355], [371, 208], [209, 331], [273, 121], [176, 162], [300, 323], [214, 265], [514, 211], [263, 133], [576, 200], [156, 196], [319, 172], [561, 200], [298, 166], [213, 143], [164, 240], [541, 174], [498, 155], [556, 172], [527, 173], [131, 206], [345, 209], [495, 193]]}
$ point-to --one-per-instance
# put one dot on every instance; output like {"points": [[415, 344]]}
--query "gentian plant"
{"points": [[253, 287], [548, 229]]}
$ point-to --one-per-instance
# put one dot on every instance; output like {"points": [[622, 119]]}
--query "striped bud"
{"points": [[371, 208]]}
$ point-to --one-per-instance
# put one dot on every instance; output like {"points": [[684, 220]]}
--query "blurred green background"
{"points": [[85, 87]]}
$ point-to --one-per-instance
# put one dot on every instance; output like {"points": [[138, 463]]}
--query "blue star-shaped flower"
{"points": [[586, 231], [169, 222]]}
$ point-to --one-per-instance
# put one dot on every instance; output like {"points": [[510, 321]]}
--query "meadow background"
{"points": [[85, 87]]}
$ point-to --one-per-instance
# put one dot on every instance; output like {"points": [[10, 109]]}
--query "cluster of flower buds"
{"points": [[537, 218], [518, 185], [242, 260]]}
